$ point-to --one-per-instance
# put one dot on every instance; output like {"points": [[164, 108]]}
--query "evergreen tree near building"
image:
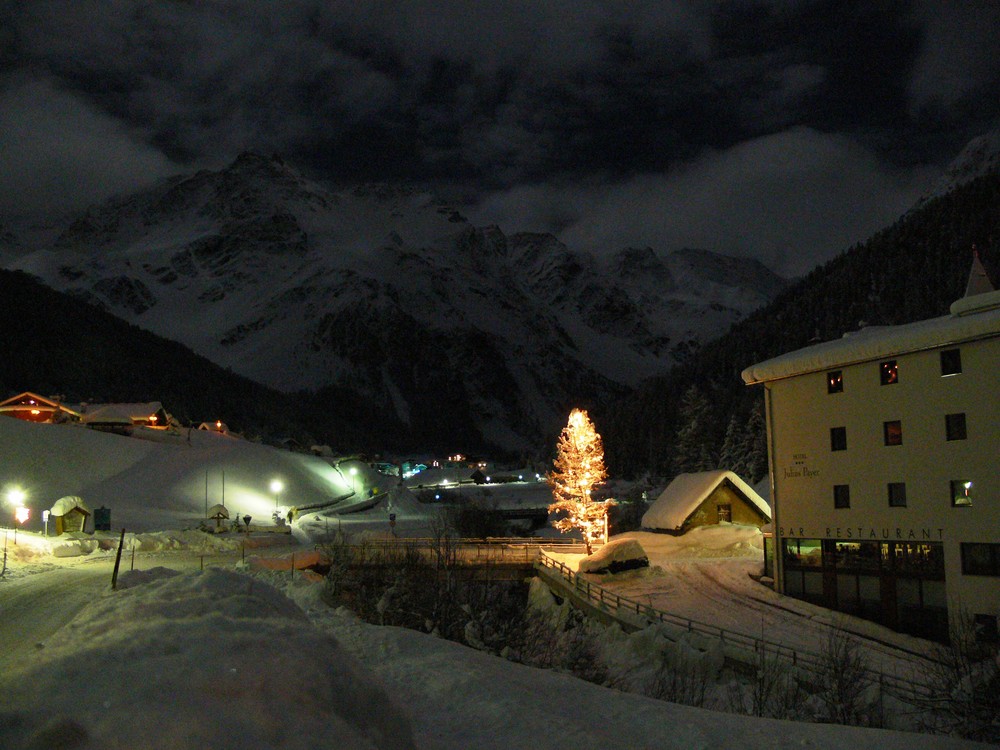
{"points": [[755, 445], [733, 456], [692, 449], [577, 471]]}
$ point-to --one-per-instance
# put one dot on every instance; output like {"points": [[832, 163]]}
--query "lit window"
{"points": [[889, 372], [961, 492], [841, 496], [954, 426], [951, 362], [838, 438], [835, 382], [897, 494], [893, 432]]}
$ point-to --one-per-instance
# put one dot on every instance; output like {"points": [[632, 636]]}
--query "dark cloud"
{"points": [[489, 98]]}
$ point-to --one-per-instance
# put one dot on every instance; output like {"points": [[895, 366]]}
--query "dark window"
{"points": [[838, 438], [835, 382], [954, 426], [841, 496], [980, 559], [889, 372], [951, 362], [725, 513], [897, 494], [893, 432], [961, 492]]}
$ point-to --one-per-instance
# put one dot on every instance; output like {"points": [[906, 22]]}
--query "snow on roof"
{"points": [[971, 318], [687, 491], [218, 510], [65, 504], [120, 413]]}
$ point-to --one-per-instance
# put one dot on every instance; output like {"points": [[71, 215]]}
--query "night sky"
{"points": [[785, 129]]}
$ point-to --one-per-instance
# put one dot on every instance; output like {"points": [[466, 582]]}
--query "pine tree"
{"points": [[755, 445], [691, 450], [733, 457], [578, 469]]}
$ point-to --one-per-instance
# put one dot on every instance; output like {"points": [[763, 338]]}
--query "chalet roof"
{"points": [[686, 492], [27, 397], [119, 413], [972, 318], [218, 511]]}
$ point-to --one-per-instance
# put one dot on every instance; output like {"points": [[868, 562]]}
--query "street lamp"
{"points": [[354, 482], [21, 514], [276, 487]]}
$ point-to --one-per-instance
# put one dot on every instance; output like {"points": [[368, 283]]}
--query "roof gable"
{"points": [[687, 492]]}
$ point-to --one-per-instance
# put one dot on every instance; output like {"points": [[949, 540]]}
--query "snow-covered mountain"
{"points": [[980, 156], [385, 292]]}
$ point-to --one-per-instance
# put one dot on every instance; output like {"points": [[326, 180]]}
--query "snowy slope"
{"points": [[389, 293], [167, 482]]}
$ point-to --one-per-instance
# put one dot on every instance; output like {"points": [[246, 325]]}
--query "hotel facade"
{"points": [[884, 450]]}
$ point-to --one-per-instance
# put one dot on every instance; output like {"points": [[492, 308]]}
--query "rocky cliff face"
{"points": [[465, 332]]}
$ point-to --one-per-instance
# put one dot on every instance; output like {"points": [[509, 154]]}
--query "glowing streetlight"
{"points": [[276, 487], [354, 481]]}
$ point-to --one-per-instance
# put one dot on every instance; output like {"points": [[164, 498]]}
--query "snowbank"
{"points": [[212, 659], [615, 556]]}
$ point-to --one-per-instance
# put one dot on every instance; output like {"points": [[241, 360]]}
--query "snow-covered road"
{"points": [[34, 607]]}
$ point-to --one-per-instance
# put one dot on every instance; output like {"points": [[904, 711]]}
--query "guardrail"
{"points": [[461, 551], [616, 605]]}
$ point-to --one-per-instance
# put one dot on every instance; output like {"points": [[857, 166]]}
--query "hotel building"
{"points": [[884, 450]]}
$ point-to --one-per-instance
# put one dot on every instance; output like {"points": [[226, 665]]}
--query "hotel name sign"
{"points": [[799, 469]]}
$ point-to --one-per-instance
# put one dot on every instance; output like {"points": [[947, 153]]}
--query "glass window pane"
{"points": [[961, 492], [951, 362], [954, 425]]}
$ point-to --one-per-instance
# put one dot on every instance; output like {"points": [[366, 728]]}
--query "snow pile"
{"points": [[615, 556], [213, 659]]}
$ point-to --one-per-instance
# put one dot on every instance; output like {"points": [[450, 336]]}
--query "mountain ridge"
{"points": [[381, 290]]}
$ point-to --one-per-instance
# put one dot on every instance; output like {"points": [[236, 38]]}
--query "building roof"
{"points": [[64, 505], [120, 413], [27, 398], [686, 492], [971, 318]]}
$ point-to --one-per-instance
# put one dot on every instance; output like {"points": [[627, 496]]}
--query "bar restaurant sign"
{"points": [[799, 468]]}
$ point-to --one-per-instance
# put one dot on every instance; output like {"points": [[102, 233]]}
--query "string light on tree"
{"points": [[578, 470]]}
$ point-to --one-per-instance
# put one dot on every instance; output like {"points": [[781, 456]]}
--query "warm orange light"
{"points": [[35, 412], [22, 514], [152, 417]]}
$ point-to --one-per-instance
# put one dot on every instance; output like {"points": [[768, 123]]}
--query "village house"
{"points": [[34, 408], [705, 498]]}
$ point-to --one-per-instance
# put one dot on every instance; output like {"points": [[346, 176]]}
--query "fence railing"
{"points": [[493, 551], [754, 648]]}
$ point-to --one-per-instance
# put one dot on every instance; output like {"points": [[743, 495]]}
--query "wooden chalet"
{"points": [[34, 408], [704, 498]]}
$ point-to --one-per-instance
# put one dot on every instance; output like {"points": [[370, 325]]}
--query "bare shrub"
{"points": [[772, 691], [846, 684], [964, 687]]}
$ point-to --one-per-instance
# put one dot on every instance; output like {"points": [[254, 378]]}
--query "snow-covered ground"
{"points": [[219, 658]]}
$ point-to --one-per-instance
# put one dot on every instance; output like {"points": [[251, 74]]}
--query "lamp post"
{"points": [[21, 514], [276, 487], [354, 481]]}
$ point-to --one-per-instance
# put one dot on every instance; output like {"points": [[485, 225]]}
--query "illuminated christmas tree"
{"points": [[577, 471]]}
